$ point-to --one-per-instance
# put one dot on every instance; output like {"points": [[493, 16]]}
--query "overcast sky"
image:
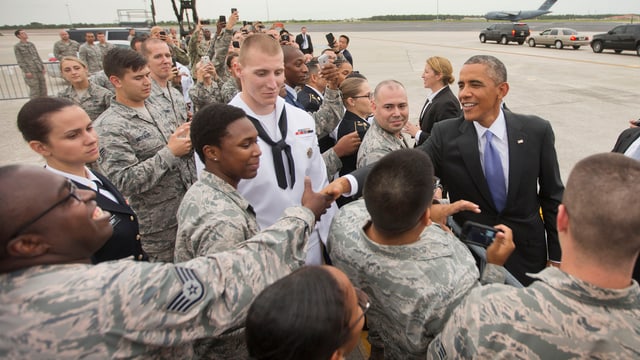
{"points": [[92, 11]]}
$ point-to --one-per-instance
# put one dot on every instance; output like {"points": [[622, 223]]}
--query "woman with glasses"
{"points": [[314, 313], [441, 104], [63, 134], [92, 98], [356, 97]]}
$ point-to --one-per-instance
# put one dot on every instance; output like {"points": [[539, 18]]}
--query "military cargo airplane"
{"points": [[521, 14]]}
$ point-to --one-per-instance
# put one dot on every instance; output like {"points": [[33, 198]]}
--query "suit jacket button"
{"points": [[138, 237], [132, 218]]}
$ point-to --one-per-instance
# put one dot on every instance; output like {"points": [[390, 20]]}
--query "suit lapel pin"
{"points": [[520, 141]]}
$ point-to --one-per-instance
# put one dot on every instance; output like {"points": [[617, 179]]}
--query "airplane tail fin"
{"points": [[547, 5]]}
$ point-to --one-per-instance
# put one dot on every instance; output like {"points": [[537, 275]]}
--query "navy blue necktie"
{"points": [[493, 173], [293, 101]]}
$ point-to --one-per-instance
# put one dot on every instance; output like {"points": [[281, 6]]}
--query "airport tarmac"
{"points": [[588, 98]]}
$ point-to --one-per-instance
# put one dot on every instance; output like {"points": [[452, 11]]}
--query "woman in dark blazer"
{"points": [[441, 104], [356, 97], [63, 134]]}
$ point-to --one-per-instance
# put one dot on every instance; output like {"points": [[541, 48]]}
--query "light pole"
{"points": [[69, 14], [267, 2], [437, 10]]}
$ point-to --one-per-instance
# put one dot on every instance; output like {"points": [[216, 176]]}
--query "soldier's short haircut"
{"points": [[150, 41], [119, 60], [33, 117], [17, 32], [602, 198], [301, 316], [313, 65], [261, 43], [138, 39], [387, 83], [398, 190], [209, 125], [496, 69]]}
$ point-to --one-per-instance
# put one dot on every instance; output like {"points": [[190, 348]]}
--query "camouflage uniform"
{"points": [[62, 49], [213, 217], [229, 89], [332, 162], [196, 50], [413, 288], [330, 113], [104, 48], [558, 317], [126, 309], [218, 53], [178, 54], [101, 79], [135, 157], [92, 56], [202, 95], [171, 102], [377, 143], [29, 61], [94, 102]]}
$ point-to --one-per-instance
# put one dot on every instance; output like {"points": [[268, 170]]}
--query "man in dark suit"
{"points": [[625, 141], [304, 41], [526, 180], [628, 143], [343, 42]]}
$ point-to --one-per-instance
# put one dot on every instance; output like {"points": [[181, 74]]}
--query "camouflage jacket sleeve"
{"points": [[228, 90], [218, 51], [221, 286], [192, 50], [330, 113], [332, 161], [202, 95], [82, 53], [179, 55], [57, 51], [119, 159]]}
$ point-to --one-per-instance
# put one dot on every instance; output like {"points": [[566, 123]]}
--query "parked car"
{"points": [[110, 33], [622, 37], [559, 37], [506, 32]]}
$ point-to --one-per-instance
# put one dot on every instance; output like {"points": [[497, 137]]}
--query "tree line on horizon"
{"points": [[426, 17]]}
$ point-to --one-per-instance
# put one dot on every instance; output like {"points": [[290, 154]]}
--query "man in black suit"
{"points": [[628, 143], [522, 146], [304, 41], [343, 42]]}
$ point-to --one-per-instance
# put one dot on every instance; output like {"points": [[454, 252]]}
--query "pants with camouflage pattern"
{"points": [[37, 84]]}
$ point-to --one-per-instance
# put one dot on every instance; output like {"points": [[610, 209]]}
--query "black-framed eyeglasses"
{"points": [[368, 95], [363, 303], [72, 194]]}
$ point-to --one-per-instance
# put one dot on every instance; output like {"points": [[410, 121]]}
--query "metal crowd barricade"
{"points": [[13, 86]]}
